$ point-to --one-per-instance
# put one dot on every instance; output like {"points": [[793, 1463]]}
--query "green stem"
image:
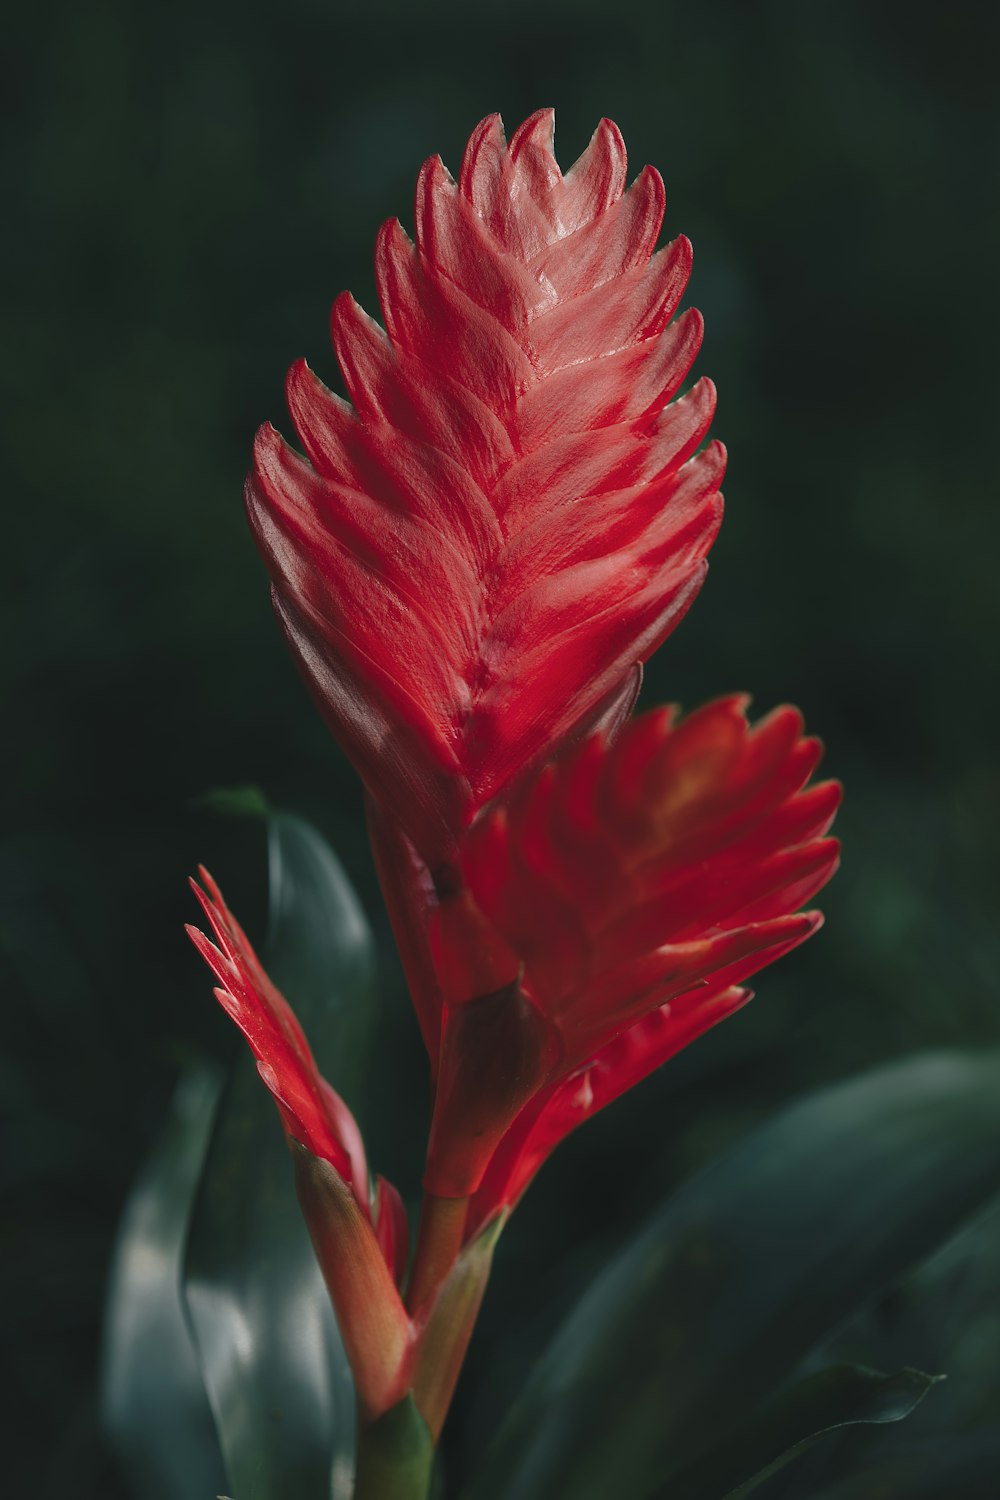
{"points": [[394, 1456]]}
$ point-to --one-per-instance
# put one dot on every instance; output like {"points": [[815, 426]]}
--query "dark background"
{"points": [[185, 189]]}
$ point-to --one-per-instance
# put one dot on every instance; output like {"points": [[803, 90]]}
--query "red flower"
{"points": [[470, 565], [661, 870], [471, 562]]}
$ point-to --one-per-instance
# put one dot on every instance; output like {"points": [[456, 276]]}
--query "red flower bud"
{"points": [[361, 1244]]}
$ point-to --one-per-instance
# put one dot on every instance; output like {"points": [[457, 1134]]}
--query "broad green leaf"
{"points": [[749, 1267], [948, 1310], [839, 1396], [964, 1466], [153, 1401], [274, 1367]]}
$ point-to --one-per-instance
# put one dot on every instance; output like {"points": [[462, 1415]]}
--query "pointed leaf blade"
{"points": [[748, 1268], [153, 1400], [839, 1396], [963, 1466]]}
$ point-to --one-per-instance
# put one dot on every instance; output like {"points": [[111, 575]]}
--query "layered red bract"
{"points": [[661, 869], [473, 555]]}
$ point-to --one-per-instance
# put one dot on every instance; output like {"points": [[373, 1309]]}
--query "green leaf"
{"points": [[949, 1311], [963, 1466], [748, 1268], [153, 1401], [234, 802], [839, 1396], [273, 1363]]}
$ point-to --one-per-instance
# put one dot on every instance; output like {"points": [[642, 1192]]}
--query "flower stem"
{"points": [[442, 1226], [394, 1456], [445, 1337]]}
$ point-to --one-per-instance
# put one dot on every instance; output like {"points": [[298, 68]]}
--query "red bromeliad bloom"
{"points": [[471, 561], [470, 565]]}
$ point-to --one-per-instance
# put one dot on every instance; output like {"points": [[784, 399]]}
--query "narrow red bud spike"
{"points": [[312, 1112], [472, 558]]}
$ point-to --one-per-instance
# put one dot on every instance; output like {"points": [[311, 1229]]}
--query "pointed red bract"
{"points": [[563, 1106], [472, 558], [312, 1112], [662, 868]]}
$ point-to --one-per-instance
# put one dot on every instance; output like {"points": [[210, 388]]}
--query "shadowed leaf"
{"points": [[153, 1401], [839, 1396], [747, 1269]]}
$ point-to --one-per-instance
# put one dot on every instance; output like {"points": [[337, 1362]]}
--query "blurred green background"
{"points": [[186, 189]]}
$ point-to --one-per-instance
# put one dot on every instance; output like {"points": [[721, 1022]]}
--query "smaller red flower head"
{"points": [[636, 883], [471, 560]]}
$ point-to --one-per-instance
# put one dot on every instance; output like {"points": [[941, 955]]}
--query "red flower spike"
{"points": [[469, 562], [658, 871]]}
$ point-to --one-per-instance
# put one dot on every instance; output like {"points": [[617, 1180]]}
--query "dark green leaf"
{"points": [[839, 1396], [273, 1363], [747, 1269], [153, 1400], [963, 1466], [948, 1309], [235, 802]]}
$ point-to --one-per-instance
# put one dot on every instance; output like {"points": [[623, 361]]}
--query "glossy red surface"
{"points": [[474, 554]]}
